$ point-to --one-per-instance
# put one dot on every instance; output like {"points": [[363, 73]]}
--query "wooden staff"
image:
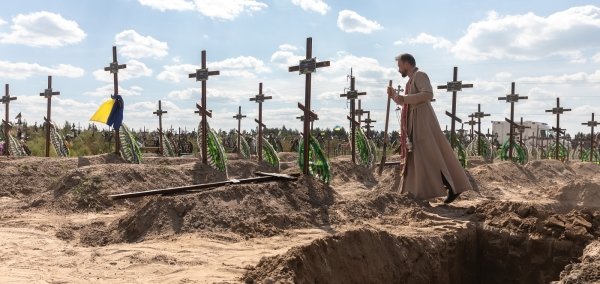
{"points": [[385, 135]]}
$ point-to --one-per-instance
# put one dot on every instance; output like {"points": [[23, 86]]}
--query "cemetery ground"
{"points": [[535, 223]]}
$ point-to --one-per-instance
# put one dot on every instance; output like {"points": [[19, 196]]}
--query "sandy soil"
{"points": [[526, 224]]}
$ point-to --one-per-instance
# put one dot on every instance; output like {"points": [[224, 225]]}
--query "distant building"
{"points": [[536, 130]]}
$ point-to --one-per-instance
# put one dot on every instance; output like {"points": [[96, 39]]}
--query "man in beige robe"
{"points": [[430, 168]]}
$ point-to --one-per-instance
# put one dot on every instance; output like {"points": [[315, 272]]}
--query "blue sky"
{"points": [[550, 48]]}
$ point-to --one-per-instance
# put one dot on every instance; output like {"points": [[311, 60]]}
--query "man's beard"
{"points": [[404, 74]]}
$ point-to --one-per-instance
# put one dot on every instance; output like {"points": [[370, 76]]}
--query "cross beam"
{"points": [[368, 121], [352, 95], [558, 110], [114, 68], [512, 98], [6, 99], [48, 94], [306, 67], [312, 116], [239, 118], [202, 75], [454, 87], [479, 115], [591, 124], [159, 112], [260, 98]]}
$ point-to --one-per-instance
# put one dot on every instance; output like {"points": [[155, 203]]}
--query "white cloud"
{"points": [[398, 42], [2, 22], [215, 9], [529, 36], [564, 79], [134, 45], [318, 6], [436, 42], [242, 66], [135, 69], [23, 70], [596, 57], [215, 95], [285, 56], [43, 29], [351, 22], [287, 47], [107, 90]]}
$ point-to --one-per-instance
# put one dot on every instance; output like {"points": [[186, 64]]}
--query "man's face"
{"points": [[403, 68]]}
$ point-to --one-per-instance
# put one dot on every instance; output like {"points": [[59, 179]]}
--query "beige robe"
{"points": [[431, 154]]}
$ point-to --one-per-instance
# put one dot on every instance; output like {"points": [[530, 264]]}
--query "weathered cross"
{"points": [[558, 110], [311, 117], [479, 115], [307, 67], [6, 101], [202, 75], [113, 68], [521, 129], [368, 124], [48, 93], [512, 98], [159, 112], [592, 124], [360, 112], [454, 87], [239, 118], [260, 98], [352, 95], [472, 123]]}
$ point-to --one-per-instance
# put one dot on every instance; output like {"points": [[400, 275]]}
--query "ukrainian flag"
{"points": [[110, 112]]}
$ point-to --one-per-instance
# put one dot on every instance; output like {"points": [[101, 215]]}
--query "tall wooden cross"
{"points": [[558, 110], [260, 98], [368, 124], [311, 117], [592, 124], [360, 112], [48, 93], [6, 101], [352, 95], [454, 87], [479, 115], [307, 66], [203, 113], [512, 98], [472, 123], [202, 75], [239, 118], [113, 68], [521, 129], [159, 112]]}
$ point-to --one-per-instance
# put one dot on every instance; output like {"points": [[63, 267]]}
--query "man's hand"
{"points": [[396, 98]]}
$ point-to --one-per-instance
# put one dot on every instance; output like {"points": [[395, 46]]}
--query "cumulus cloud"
{"points": [[351, 22], [241, 66], [133, 45], [436, 42], [318, 6], [135, 69], [215, 9], [42, 29], [23, 70], [107, 90]]}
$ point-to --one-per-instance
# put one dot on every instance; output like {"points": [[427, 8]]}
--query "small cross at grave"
{"points": [[591, 124], [306, 67], [512, 98], [558, 110], [114, 68], [48, 94], [260, 98], [352, 95], [479, 115], [368, 124], [6, 99], [239, 118], [202, 75], [454, 87], [159, 112]]}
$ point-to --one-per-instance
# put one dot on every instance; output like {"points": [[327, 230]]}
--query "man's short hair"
{"points": [[405, 57]]}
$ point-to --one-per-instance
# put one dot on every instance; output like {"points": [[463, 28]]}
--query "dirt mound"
{"points": [[87, 188], [579, 194], [502, 172], [550, 171], [368, 256], [288, 156], [378, 203], [343, 170], [586, 169], [28, 176], [247, 168], [249, 210], [169, 161], [587, 271]]}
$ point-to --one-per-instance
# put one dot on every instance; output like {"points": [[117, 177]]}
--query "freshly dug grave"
{"points": [[503, 243], [587, 271], [250, 210]]}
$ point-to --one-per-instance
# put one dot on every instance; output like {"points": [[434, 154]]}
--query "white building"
{"points": [[536, 130]]}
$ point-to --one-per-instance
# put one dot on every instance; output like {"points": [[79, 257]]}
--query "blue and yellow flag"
{"points": [[110, 112]]}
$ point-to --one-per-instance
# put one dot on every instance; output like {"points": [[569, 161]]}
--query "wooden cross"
{"points": [[558, 110], [311, 117], [113, 68], [159, 112], [202, 75], [512, 98], [360, 112], [352, 95], [592, 124], [461, 131], [521, 129], [368, 121], [260, 98], [307, 67], [472, 123], [6, 101], [479, 115], [239, 118], [454, 87], [48, 93]]}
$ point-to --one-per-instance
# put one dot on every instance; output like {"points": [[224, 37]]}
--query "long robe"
{"points": [[431, 155]]}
